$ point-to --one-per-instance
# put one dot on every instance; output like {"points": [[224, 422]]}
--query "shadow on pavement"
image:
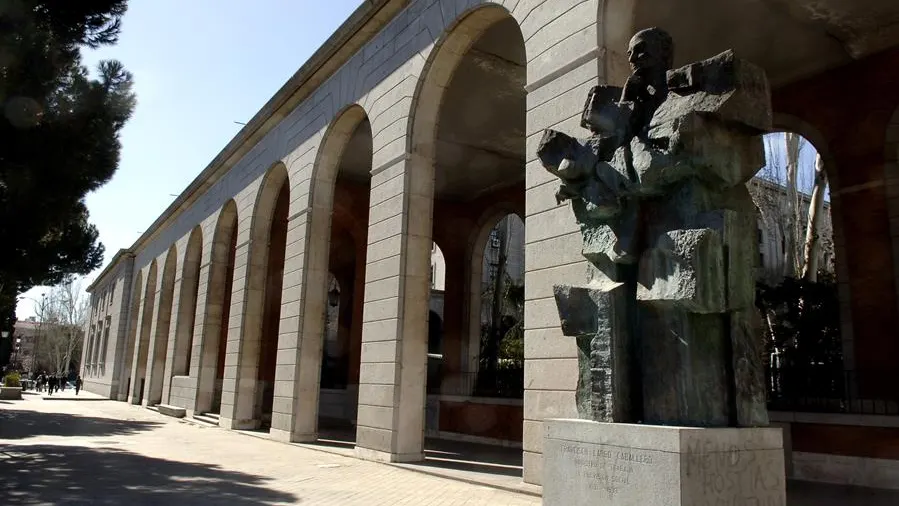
{"points": [[473, 457], [20, 424], [51, 474], [801, 493]]}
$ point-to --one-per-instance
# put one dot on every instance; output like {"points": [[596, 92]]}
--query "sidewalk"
{"points": [[65, 395], [112, 453]]}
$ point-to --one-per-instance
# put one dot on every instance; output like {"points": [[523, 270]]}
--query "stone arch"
{"points": [[325, 173], [217, 307], [187, 303], [436, 75], [428, 97], [142, 346], [302, 406], [787, 122], [469, 38], [133, 314], [159, 345], [275, 185], [891, 178]]}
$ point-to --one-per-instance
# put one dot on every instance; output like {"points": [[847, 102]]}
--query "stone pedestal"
{"points": [[599, 464]]}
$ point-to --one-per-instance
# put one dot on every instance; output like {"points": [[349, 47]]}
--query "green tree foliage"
{"points": [[60, 128], [511, 348]]}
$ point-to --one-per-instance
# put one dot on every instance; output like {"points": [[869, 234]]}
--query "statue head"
{"points": [[651, 51]]}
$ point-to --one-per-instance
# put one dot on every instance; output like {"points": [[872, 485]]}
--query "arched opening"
{"points": [[798, 294], [248, 393], [469, 128], [133, 333], [139, 366], [499, 355], [342, 188], [163, 321], [214, 336], [436, 301], [271, 309], [177, 381], [190, 286]]}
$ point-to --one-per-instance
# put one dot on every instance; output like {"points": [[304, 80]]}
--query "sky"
{"points": [[199, 66]]}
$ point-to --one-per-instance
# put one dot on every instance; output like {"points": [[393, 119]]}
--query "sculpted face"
{"points": [[650, 51]]}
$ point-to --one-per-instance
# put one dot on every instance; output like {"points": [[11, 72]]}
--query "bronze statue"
{"points": [[665, 323]]}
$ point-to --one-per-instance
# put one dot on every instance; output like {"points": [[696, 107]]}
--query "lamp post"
{"points": [[4, 334]]}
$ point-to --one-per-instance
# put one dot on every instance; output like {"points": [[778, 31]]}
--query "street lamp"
{"points": [[4, 334], [333, 296]]}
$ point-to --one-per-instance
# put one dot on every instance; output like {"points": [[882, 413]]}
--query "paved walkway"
{"points": [[69, 452]]}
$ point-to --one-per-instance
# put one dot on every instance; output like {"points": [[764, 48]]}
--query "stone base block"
{"points": [[169, 410], [285, 436], [605, 464], [10, 393], [229, 423], [385, 457]]}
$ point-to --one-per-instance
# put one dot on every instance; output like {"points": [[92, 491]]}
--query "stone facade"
{"points": [[104, 343], [219, 305]]}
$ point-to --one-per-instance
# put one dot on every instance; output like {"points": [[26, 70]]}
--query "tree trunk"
{"points": [[812, 238], [791, 234]]}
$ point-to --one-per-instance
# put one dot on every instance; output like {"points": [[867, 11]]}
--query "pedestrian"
{"points": [[51, 384], [78, 384]]}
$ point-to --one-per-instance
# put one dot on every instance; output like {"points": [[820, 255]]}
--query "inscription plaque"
{"points": [[593, 463]]}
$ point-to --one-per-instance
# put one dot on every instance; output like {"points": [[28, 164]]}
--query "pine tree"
{"points": [[60, 138]]}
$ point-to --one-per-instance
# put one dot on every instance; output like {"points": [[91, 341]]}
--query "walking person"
{"points": [[78, 384], [51, 384]]}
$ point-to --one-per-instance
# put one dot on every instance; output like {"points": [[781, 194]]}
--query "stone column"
{"points": [[244, 329], [142, 335], [159, 330], [454, 323], [119, 334], [357, 307], [295, 408], [175, 320], [390, 424], [557, 83], [208, 321]]}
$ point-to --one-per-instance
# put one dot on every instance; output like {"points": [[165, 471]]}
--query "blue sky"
{"points": [[199, 66]]}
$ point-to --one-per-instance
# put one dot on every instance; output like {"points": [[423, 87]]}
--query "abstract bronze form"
{"points": [[665, 322]]}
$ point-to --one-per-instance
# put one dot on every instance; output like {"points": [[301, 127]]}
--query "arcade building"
{"points": [[289, 288]]}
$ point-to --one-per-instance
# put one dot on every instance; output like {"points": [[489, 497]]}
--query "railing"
{"points": [[830, 389]]}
